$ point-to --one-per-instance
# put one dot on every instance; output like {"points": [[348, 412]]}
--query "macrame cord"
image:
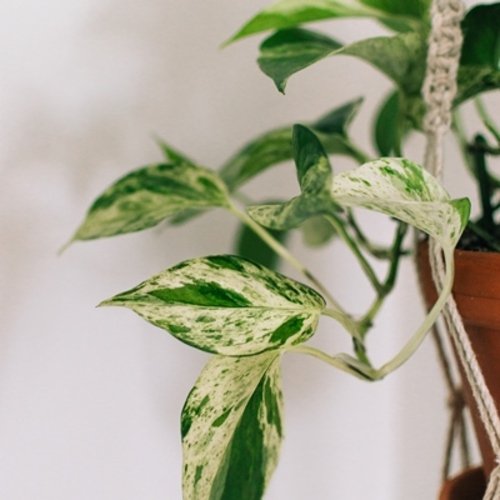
{"points": [[439, 90]]}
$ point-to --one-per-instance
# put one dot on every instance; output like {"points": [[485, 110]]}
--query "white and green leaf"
{"points": [[405, 191], [149, 195], [226, 305], [314, 173], [232, 428]]}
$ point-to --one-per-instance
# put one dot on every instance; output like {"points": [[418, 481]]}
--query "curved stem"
{"points": [[349, 241], [345, 320], [343, 363], [285, 255], [418, 337], [486, 119]]}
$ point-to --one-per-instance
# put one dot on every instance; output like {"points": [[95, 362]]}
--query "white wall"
{"points": [[90, 399]]}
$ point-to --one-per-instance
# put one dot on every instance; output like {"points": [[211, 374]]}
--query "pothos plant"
{"points": [[238, 307]]}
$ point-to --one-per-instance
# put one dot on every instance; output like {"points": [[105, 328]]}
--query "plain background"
{"points": [[89, 398]]}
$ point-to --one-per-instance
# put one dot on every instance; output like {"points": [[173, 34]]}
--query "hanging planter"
{"points": [[469, 485], [477, 292]]}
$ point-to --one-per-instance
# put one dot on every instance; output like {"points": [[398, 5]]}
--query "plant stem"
{"points": [[418, 337], [352, 366], [351, 243], [395, 252], [285, 255], [486, 119]]}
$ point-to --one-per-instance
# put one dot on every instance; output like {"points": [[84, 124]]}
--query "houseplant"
{"points": [[248, 315]]}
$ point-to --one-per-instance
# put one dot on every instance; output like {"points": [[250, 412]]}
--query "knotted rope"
{"points": [[439, 90]]}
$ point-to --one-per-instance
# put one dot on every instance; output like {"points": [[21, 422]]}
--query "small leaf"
{"points": [[232, 428], [404, 190], [291, 50], [149, 195], [252, 247], [388, 126], [317, 231], [275, 147], [290, 13], [172, 155], [315, 178], [226, 305]]}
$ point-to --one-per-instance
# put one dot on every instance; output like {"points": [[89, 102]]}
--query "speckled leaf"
{"points": [[275, 146], [291, 50], [290, 13], [404, 190], [315, 178], [226, 305], [149, 195], [232, 428]]}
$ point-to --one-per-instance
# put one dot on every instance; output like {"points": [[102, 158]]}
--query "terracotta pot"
{"points": [[469, 485], [476, 290]]}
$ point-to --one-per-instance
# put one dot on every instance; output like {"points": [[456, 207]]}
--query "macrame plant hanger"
{"points": [[439, 90]]}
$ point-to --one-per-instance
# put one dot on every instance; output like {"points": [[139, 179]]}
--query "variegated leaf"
{"points": [[315, 178], [404, 190], [147, 196], [227, 305], [232, 428]]}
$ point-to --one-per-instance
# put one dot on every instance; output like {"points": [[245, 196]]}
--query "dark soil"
{"points": [[471, 241]]}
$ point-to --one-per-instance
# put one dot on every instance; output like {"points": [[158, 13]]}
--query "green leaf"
{"points": [[315, 178], [404, 190], [291, 50], [388, 128], [226, 305], [481, 29], [479, 69], [232, 428], [413, 8], [275, 147], [149, 195], [252, 247], [401, 57], [290, 13], [172, 155], [317, 231]]}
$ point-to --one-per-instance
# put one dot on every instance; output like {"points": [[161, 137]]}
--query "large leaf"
{"points": [[252, 247], [232, 428], [226, 305], [404, 190], [315, 178], [290, 13], [149, 195], [275, 146], [291, 50], [401, 57]]}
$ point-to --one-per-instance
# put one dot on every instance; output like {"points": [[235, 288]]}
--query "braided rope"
{"points": [[438, 91]]}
